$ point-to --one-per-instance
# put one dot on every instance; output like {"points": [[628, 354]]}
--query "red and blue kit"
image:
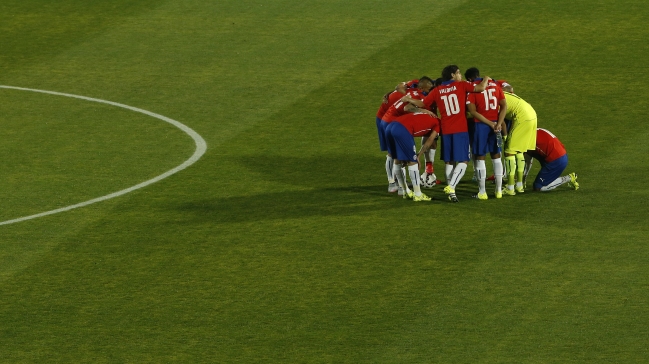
{"points": [[397, 109], [450, 99], [392, 98], [548, 147], [402, 130], [380, 125], [487, 103], [552, 156], [419, 124]]}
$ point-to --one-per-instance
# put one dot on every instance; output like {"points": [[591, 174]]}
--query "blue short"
{"points": [[484, 140], [550, 171], [381, 129], [455, 147], [401, 145]]}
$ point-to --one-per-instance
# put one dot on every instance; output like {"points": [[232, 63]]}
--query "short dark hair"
{"points": [[426, 78], [438, 82], [472, 73], [448, 71]]}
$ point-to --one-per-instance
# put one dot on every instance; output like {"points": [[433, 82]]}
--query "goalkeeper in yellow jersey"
{"points": [[521, 138]]}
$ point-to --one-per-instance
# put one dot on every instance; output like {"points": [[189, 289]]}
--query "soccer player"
{"points": [[472, 74], [388, 100], [401, 107], [521, 138], [488, 108], [400, 134], [450, 100], [552, 155]]}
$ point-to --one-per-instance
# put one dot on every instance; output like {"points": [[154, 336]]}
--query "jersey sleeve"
{"points": [[429, 100], [394, 97], [468, 86], [471, 99], [500, 95]]}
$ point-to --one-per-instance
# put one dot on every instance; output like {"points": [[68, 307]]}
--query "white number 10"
{"points": [[451, 104]]}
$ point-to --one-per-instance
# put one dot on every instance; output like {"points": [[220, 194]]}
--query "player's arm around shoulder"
{"points": [[414, 109], [410, 100], [482, 85]]}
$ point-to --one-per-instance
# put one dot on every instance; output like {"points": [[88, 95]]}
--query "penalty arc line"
{"points": [[201, 147]]}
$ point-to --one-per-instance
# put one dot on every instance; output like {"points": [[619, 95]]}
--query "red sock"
{"points": [[429, 167]]}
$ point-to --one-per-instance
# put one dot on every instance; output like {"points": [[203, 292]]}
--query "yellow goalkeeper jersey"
{"points": [[518, 109]]}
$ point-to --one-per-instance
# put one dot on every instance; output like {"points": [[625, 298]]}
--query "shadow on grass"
{"points": [[294, 204]]}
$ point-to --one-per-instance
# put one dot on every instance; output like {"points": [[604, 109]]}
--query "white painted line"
{"points": [[201, 146]]}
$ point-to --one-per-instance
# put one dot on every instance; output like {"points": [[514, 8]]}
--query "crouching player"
{"points": [[400, 134], [553, 158]]}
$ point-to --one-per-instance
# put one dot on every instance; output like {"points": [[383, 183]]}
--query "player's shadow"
{"points": [[318, 171], [293, 205]]}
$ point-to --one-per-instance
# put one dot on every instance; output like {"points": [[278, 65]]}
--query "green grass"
{"points": [[280, 244]]}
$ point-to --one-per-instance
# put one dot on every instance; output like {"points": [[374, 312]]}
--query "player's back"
{"points": [[548, 145], [518, 109], [450, 98], [487, 101], [392, 98], [419, 124], [397, 109]]}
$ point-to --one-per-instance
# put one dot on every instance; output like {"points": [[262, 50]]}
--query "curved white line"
{"points": [[201, 146]]}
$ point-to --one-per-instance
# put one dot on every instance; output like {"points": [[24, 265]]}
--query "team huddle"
{"points": [[471, 119]]}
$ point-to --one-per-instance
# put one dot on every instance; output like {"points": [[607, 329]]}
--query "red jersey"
{"points": [[548, 146], [397, 109], [487, 101], [502, 83], [419, 124], [450, 98], [412, 84], [392, 98]]}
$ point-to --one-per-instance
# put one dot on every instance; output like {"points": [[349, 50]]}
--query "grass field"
{"points": [[281, 244]]}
